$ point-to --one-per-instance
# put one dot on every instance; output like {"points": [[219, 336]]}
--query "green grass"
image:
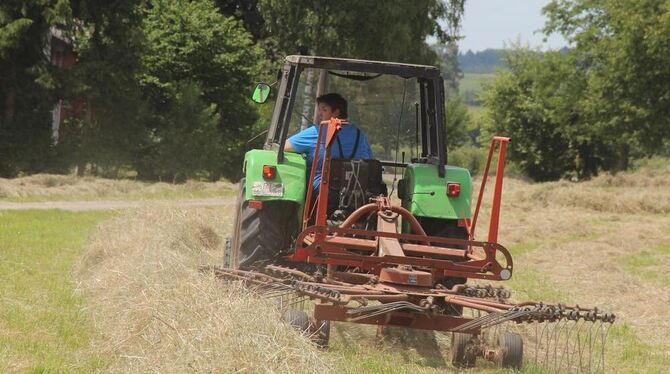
{"points": [[43, 326], [650, 265]]}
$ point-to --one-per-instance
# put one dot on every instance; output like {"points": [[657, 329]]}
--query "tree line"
{"points": [[162, 87], [481, 62], [597, 106]]}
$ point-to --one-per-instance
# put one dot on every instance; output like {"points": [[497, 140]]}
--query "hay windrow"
{"points": [[156, 312], [46, 186]]}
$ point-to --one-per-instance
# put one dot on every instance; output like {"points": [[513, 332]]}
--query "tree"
{"points": [[537, 103], [623, 47], [191, 46], [595, 106], [27, 85], [391, 30], [449, 66]]}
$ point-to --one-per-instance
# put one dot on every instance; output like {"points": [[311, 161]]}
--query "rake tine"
{"points": [[538, 343], [579, 344], [602, 351], [592, 342], [567, 345], [373, 313], [560, 326], [550, 339], [477, 322], [584, 348], [390, 307], [576, 347], [300, 300]]}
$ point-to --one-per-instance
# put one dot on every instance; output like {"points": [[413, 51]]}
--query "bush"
{"points": [[469, 157]]}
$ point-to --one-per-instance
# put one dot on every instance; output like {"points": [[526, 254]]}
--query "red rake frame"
{"points": [[376, 251]]}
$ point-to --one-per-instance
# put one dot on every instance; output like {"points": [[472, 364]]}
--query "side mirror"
{"points": [[261, 93]]}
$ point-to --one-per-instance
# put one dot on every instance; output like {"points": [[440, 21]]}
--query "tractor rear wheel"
{"points": [[260, 234], [447, 229]]}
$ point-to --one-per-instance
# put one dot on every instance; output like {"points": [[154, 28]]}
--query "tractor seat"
{"points": [[351, 185]]}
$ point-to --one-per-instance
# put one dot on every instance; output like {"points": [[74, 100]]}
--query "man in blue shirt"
{"points": [[351, 142]]}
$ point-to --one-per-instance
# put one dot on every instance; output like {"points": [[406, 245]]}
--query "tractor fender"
{"points": [[424, 192], [290, 174]]}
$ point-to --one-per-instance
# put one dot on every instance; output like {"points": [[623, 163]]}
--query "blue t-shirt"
{"points": [[305, 142]]}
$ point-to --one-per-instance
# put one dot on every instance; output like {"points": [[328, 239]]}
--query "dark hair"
{"points": [[334, 101]]}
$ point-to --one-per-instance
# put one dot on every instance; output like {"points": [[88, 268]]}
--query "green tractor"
{"points": [[270, 210]]}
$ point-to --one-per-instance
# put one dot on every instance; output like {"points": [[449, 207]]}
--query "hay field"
{"points": [[156, 313], [603, 242], [51, 187]]}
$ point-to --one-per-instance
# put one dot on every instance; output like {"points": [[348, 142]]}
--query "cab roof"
{"points": [[365, 66]]}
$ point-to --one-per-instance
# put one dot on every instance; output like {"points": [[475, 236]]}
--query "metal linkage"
{"points": [[357, 314], [487, 291], [271, 286]]}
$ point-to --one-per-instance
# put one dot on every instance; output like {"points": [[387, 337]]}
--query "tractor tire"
{"points": [[512, 350], [260, 234], [297, 319], [231, 252], [448, 230], [455, 232], [461, 356]]}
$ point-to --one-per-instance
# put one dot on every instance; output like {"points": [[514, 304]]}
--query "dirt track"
{"points": [[77, 206]]}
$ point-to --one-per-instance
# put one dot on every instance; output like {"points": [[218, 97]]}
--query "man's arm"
{"points": [[301, 142]]}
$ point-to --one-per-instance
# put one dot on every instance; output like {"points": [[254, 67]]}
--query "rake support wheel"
{"points": [[298, 319], [461, 354], [512, 350], [322, 334]]}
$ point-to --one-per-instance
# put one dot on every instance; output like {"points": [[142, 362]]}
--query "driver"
{"points": [[351, 142]]}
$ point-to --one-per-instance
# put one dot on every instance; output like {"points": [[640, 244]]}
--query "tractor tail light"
{"points": [[453, 189], [255, 204], [269, 172]]}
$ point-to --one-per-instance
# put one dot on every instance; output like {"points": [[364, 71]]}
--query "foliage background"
{"points": [[164, 83]]}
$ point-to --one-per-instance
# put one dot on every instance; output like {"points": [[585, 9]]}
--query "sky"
{"points": [[496, 23]]}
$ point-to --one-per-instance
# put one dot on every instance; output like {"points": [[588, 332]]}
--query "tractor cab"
{"points": [[397, 106]]}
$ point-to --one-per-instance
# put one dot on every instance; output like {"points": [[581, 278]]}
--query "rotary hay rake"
{"points": [[385, 277]]}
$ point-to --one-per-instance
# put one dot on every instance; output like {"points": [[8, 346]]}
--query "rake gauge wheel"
{"points": [[298, 319], [512, 350], [462, 356], [322, 334]]}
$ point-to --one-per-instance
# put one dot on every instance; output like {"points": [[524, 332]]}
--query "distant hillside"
{"points": [[481, 62]]}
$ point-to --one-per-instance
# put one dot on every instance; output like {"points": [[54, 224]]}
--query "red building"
{"points": [[60, 52]]}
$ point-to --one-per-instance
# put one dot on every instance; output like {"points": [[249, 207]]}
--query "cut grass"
{"points": [[650, 265], [43, 327], [592, 242], [627, 351], [48, 187], [156, 312]]}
